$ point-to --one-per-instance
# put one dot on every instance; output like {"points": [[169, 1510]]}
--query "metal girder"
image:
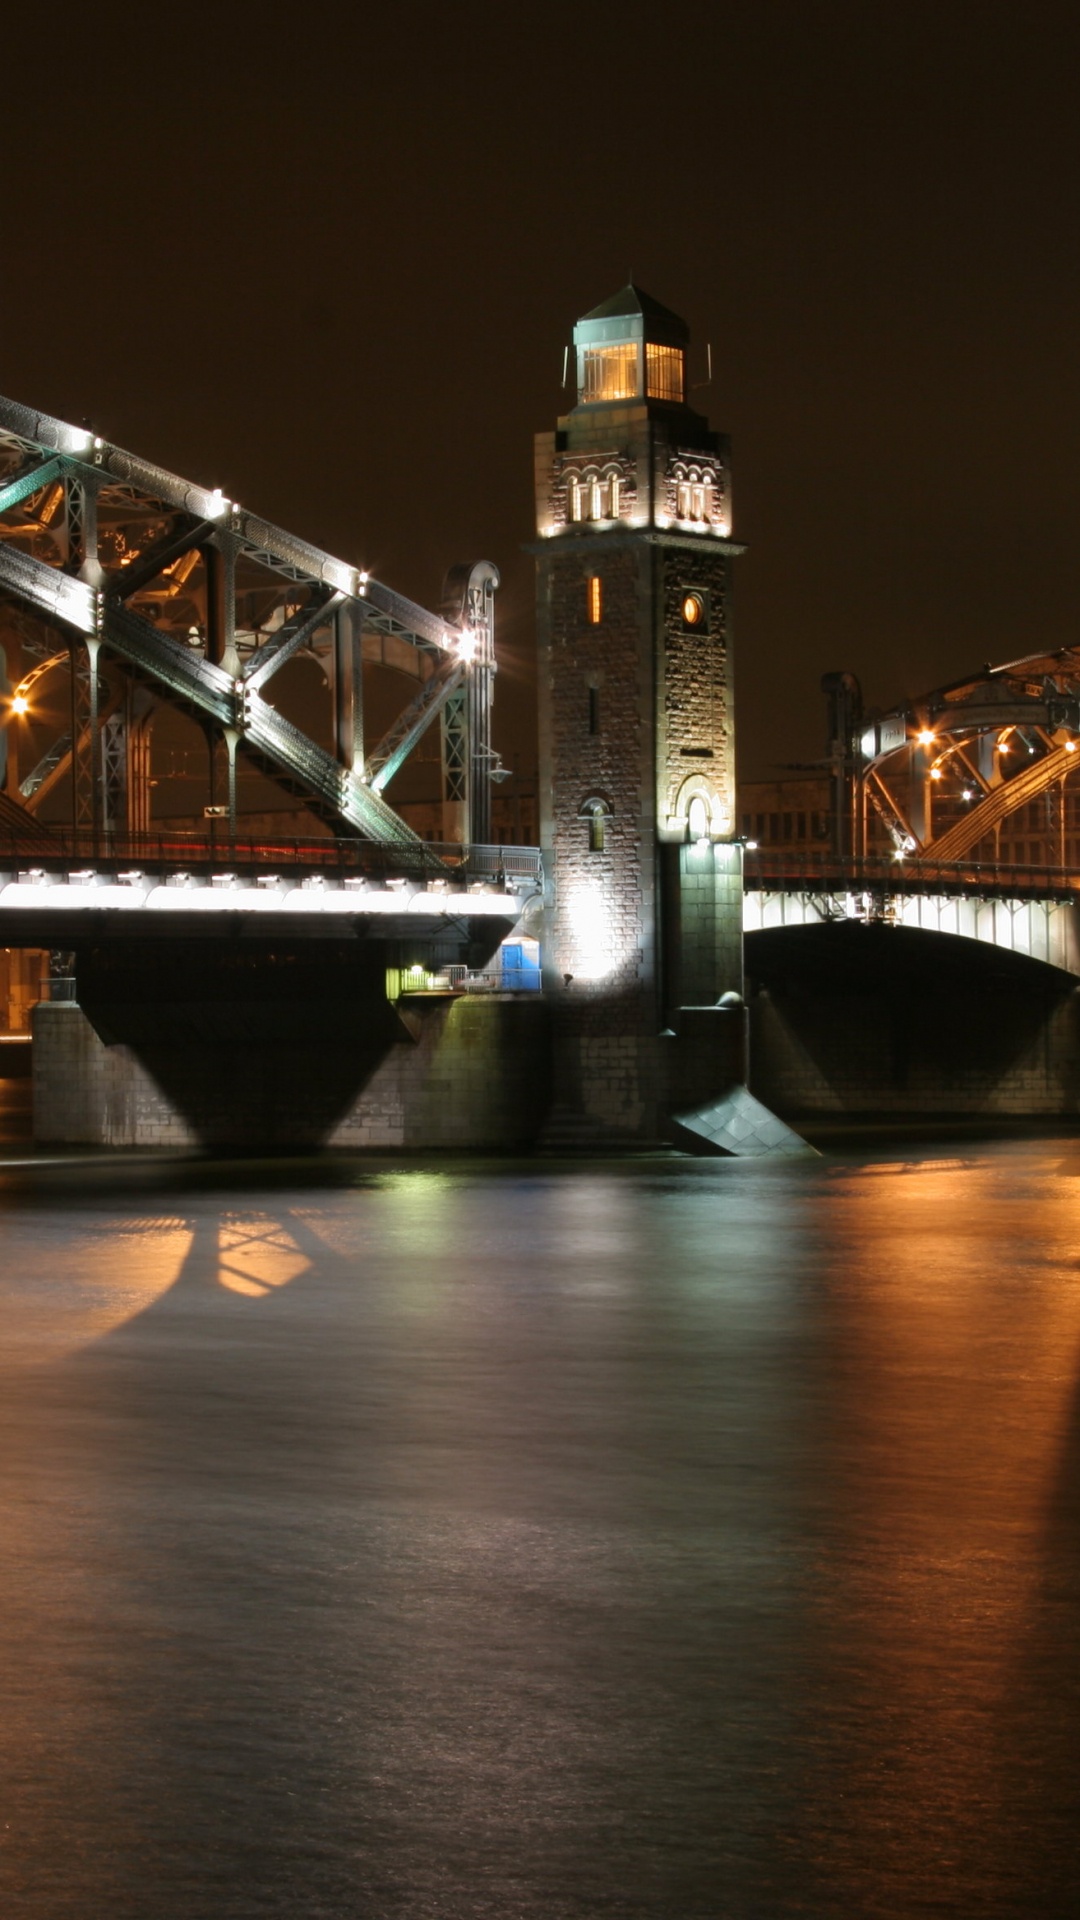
{"points": [[52, 767], [396, 745], [282, 552], [999, 802], [290, 637], [48, 591], [307, 768], [29, 480], [85, 595], [146, 566]]}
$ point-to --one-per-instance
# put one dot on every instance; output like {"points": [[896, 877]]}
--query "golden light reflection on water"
{"points": [[51, 1304], [955, 1290], [257, 1254]]}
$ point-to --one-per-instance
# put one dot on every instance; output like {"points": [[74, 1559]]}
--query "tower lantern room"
{"points": [[630, 348]]}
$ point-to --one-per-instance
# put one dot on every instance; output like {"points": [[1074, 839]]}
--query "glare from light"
{"points": [[925, 737], [1070, 746], [20, 704], [217, 506], [935, 773], [967, 794], [466, 646], [751, 846]]}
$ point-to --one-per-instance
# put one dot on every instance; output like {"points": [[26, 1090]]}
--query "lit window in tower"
{"points": [[595, 600], [614, 496], [697, 503], [596, 499], [575, 499], [682, 500], [611, 373], [664, 372]]}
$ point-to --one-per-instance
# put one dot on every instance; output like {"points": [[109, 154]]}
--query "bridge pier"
{"points": [[468, 1074]]}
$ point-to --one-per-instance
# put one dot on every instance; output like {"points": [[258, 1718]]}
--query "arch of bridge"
{"points": [[1046, 931]]}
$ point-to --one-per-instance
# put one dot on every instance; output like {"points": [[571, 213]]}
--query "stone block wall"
{"points": [[88, 1094], [468, 1074], [695, 718], [993, 1054], [597, 751]]}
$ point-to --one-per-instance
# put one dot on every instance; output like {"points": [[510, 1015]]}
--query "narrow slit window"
{"points": [[596, 500], [682, 502], [596, 831], [594, 709], [595, 600], [575, 499], [614, 496]]}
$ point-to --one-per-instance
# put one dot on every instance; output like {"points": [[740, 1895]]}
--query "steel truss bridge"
{"points": [[939, 778], [140, 589], [1028, 911]]}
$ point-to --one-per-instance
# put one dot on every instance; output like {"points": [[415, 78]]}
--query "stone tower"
{"points": [[637, 749]]}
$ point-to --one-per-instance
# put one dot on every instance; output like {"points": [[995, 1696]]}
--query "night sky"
{"points": [[329, 262]]}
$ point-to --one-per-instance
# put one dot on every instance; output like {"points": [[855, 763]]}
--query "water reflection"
{"points": [[255, 1255], [656, 1540]]}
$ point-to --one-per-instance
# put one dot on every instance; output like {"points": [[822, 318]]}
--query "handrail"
{"points": [[56, 848], [817, 869]]}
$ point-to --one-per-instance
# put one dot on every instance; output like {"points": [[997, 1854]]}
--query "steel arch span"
{"points": [[152, 589], [939, 777]]}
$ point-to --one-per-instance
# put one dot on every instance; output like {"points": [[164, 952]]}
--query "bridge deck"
{"points": [[818, 871]]}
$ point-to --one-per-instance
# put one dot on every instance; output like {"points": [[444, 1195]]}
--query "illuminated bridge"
{"points": [[125, 588], [240, 985], [1033, 913]]}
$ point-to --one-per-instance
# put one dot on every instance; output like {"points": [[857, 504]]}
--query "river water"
{"points": [[541, 1540]]}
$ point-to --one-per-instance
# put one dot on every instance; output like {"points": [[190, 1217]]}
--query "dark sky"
{"points": [[329, 260]]}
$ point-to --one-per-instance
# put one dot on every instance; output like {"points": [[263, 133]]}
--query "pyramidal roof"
{"points": [[632, 301]]}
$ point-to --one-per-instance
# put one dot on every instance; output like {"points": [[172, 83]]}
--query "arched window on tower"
{"points": [[574, 496], [697, 818], [614, 496], [596, 811], [596, 499]]}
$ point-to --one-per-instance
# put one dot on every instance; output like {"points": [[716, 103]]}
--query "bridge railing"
{"points": [[818, 870], [48, 848]]}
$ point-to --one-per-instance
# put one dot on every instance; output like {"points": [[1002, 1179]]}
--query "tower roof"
{"points": [[633, 302]]}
